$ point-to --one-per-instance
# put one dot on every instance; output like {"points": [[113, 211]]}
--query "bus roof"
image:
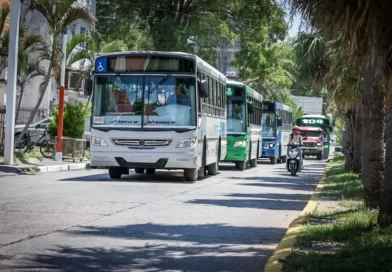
{"points": [[199, 61], [311, 129], [314, 116], [249, 91], [280, 106]]}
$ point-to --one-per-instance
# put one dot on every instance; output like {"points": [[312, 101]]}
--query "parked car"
{"points": [[35, 130]]}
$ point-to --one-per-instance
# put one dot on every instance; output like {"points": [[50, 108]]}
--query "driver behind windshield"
{"points": [[295, 136], [179, 97]]}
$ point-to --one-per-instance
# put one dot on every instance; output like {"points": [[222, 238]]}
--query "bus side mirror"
{"points": [[88, 88], [279, 121], [251, 109], [203, 88], [331, 128]]}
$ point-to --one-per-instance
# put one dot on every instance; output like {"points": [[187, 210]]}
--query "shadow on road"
{"points": [[159, 177], [207, 247], [266, 204]]}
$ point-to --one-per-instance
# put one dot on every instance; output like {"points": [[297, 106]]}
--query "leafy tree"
{"points": [[59, 14], [74, 120]]}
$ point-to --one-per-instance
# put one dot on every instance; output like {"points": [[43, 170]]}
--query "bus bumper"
{"points": [[156, 160], [268, 153], [237, 154]]}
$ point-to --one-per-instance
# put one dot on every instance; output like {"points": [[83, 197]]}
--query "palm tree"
{"points": [[365, 25], [27, 68], [59, 14]]}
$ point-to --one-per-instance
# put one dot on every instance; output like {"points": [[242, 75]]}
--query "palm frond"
{"points": [[80, 55], [75, 41], [74, 13], [114, 46]]}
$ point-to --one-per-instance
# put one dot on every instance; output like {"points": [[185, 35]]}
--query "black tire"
{"points": [[150, 171], [292, 172], [204, 158], [319, 156], [273, 160], [115, 172], [284, 159], [279, 160], [139, 170], [191, 174], [253, 163], [240, 165], [46, 149], [213, 169]]}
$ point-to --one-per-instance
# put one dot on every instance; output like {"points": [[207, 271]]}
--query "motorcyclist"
{"points": [[295, 136]]}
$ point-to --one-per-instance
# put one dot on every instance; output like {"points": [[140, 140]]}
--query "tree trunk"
{"points": [[372, 137], [358, 140], [349, 153], [43, 88], [19, 102], [385, 214]]}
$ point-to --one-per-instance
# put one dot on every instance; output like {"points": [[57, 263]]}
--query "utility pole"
{"points": [[11, 83], [59, 145]]}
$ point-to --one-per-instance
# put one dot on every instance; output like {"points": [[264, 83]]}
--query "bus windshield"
{"points": [[236, 116], [269, 124], [144, 101]]}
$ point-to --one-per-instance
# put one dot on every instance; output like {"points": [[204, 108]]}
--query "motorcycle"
{"points": [[294, 158]]}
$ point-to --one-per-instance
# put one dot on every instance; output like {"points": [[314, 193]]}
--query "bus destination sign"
{"points": [[312, 121]]}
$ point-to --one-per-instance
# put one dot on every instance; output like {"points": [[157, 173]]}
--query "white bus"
{"points": [[157, 110]]}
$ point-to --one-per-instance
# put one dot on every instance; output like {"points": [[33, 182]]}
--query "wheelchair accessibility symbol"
{"points": [[101, 65]]}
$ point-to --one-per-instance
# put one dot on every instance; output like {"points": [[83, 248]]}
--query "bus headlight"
{"points": [[240, 144], [98, 141], [269, 145], [187, 143]]}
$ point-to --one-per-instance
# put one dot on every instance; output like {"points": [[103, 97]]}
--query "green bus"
{"points": [[244, 114], [320, 121]]}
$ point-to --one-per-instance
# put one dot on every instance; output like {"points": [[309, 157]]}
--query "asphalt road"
{"points": [[83, 221]]}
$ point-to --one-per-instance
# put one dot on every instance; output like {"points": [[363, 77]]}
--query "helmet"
{"points": [[295, 128]]}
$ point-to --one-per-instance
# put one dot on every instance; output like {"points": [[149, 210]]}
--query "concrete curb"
{"points": [[14, 170], [63, 167], [285, 247]]}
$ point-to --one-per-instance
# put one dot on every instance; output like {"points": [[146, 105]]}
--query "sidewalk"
{"points": [[32, 165]]}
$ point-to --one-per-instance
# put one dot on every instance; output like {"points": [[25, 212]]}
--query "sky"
{"points": [[293, 28]]}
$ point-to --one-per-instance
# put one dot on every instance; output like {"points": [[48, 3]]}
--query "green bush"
{"points": [[74, 120]]}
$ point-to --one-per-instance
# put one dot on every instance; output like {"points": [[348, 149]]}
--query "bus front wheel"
{"points": [[139, 170], [241, 165], [191, 174], [115, 172], [150, 171], [212, 169]]}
